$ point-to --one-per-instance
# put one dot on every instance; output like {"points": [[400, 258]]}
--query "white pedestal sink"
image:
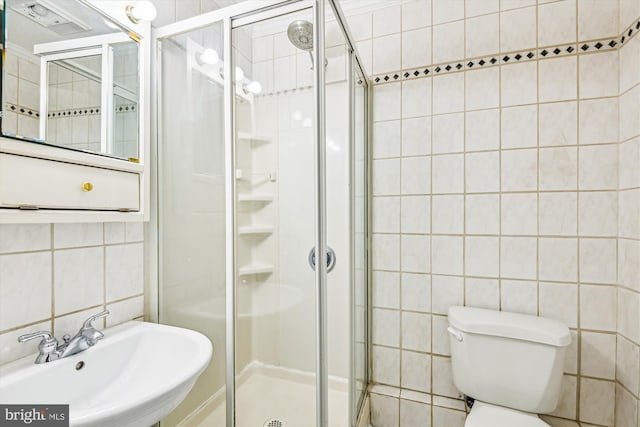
{"points": [[133, 377]]}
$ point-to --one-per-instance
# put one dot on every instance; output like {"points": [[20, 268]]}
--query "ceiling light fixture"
{"points": [[39, 10], [254, 87], [239, 74], [209, 56], [143, 11]]}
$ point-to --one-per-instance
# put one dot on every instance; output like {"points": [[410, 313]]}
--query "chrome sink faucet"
{"points": [[51, 350]]}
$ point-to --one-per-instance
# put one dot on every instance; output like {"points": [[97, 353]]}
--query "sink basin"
{"points": [[137, 374]]}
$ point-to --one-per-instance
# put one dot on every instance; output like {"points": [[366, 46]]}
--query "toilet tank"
{"points": [[508, 359]]}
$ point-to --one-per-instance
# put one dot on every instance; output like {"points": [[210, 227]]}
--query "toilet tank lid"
{"points": [[510, 325]]}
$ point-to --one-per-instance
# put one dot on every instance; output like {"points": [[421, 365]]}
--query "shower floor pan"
{"points": [[266, 396]]}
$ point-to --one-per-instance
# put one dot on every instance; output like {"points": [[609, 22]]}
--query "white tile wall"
{"points": [[53, 276], [522, 187], [21, 84], [25, 289], [68, 90]]}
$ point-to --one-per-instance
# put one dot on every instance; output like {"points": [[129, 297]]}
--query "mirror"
{"points": [[70, 78]]}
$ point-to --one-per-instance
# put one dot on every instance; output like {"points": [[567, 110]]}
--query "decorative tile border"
{"points": [[20, 109], [479, 62], [631, 31], [74, 112], [602, 45], [89, 111], [126, 108]]}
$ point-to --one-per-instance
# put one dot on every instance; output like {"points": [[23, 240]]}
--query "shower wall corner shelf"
{"points": [[255, 229], [249, 137], [255, 268], [266, 198]]}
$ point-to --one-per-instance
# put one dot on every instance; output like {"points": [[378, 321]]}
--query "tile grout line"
{"points": [[430, 199], [578, 242], [464, 164], [489, 150], [500, 304], [617, 257], [495, 278], [537, 278], [401, 237]]}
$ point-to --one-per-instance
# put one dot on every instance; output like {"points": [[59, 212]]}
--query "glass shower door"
{"points": [[359, 340], [275, 222], [191, 231], [346, 215], [245, 155]]}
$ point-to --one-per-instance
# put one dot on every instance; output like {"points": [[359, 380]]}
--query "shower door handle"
{"points": [[331, 259]]}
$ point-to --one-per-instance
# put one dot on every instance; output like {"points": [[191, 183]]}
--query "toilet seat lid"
{"points": [[486, 415]]}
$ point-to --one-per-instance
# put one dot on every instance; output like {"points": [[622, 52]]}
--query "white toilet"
{"points": [[510, 363]]}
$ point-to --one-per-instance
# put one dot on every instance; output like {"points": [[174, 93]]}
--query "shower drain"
{"points": [[273, 422]]}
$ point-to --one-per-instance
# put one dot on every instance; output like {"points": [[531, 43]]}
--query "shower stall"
{"points": [[261, 213]]}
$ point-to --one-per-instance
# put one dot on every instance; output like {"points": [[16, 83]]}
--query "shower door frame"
{"points": [[232, 17]]}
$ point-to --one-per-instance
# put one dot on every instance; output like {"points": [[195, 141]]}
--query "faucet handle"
{"points": [[87, 323], [47, 348], [89, 331], [46, 337]]}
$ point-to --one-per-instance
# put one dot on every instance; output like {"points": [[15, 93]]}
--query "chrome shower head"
{"points": [[300, 34]]}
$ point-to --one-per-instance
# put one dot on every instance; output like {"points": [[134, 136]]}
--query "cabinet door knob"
{"points": [[87, 186]]}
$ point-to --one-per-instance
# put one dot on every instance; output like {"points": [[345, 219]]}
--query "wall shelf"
{"points": [[265, 198], [255, 268], [256, 178], [249, 137], [256, 192], [255, 229]]}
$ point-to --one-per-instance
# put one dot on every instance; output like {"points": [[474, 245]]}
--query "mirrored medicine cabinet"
{"points": [[74, 116], [71, 78]]}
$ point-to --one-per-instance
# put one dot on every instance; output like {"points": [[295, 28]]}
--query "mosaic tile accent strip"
{"points": [[126, 108], [74, 112], [552, 52], [593, 46], [89, 111], [77, 112], [631, 31], [19, 109]]}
